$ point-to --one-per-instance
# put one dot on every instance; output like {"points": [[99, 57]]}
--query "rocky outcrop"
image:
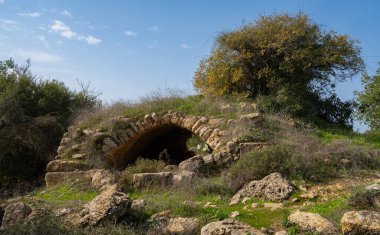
{"points": [[15, 213], [361, 222], [229, 227], [272, 187], [183, 178], [312, 222], [108, 206]]}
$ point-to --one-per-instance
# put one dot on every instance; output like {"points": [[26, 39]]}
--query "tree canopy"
{"points": [[283, 56], [33, 116], [369, 100]]}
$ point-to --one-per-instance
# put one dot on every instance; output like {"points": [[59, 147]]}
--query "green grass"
{"points": [[66, 194], [160, 200], [332, 209], [367, 139]]}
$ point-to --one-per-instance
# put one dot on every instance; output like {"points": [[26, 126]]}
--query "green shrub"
{"points": [[140, 166], [301, 161], [365, 200]]}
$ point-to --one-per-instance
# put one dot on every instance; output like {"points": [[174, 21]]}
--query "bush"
{"points": [[365, 200], [140, 166], [300, 161], [33, 116]]}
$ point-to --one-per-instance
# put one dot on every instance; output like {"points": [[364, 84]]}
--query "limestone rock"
{"points": [[250, 117], [99, 136], [146, 180], [109, 205], [229, 227], [102, 179], [183, 178], [182, 226], [272, 187], [78, 156], [361, 222], [192, 164], [274, 206], [312, 222], [15, 213], [64, 165], [282, 232]]}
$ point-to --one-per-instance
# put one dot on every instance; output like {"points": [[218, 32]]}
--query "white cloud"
{"points": [[154, 28], [36, 56], [59, 26], [66, 13], [130, 34], [184, 46], [66, 32], [30, 14], [91, 40]]}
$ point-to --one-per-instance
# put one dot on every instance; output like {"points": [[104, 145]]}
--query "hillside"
{"points": [[177, 165]]}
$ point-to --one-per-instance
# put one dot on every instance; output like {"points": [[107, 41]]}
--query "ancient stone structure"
{"points": [[161, 137]]}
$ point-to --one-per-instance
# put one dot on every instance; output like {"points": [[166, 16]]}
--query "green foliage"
{"points": [[290, 60], [33, 116], [141, 165], [365, 200], [302, 162], [333, 209], [369, 100]]}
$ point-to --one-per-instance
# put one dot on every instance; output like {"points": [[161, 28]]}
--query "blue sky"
{"points": [[126, 49]]}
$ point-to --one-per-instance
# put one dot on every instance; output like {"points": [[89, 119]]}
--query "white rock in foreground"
{"points": [[312, 222], [229, 227]]}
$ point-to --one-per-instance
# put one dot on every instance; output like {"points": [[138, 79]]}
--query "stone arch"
{"points": [[153, 133]]}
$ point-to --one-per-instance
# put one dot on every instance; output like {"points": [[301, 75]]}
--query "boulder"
{"points": [[183, 178], [146, 180], [272, 187], [192, 164], [15, 213], [312, 222], [229, 227], [182, 226], [64, 165], [361, 222], [108, 206], [102, 179]]}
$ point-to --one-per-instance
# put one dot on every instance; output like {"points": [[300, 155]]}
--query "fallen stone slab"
{"points": [[361, 222], [147, 180], [54, 178]]}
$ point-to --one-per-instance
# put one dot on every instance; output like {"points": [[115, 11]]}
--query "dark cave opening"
{"points": [[167, 143]]}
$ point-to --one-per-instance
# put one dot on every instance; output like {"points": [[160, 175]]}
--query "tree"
{"points": [[369, 100], [281, 55], [33, 116]]}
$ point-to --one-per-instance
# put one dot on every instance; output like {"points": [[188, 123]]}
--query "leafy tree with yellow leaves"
{"points": [[288, 58]]}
